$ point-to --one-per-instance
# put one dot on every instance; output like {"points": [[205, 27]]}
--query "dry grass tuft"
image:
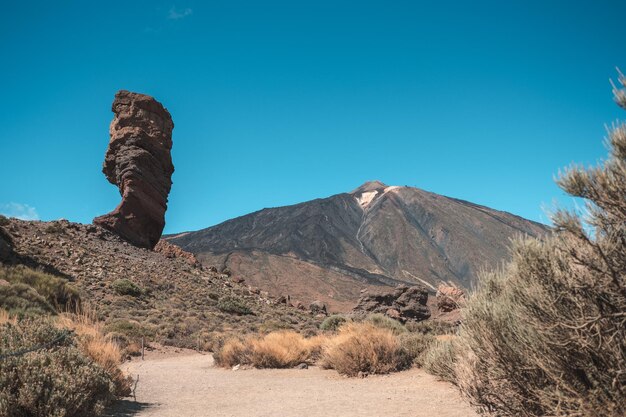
{"points": [[5, 317], [363, 347], [100, 348], [282, 349]]}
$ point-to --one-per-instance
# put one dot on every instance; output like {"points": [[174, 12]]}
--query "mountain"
{"points": [[377, 235]]}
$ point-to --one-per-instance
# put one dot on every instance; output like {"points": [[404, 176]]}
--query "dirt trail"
{"points": [[189, 385]]}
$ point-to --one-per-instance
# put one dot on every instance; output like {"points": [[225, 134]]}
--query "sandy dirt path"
{"points": [[189, 385]]}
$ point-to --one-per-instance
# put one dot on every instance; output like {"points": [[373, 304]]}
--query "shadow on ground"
{"points": [[126, 408]]}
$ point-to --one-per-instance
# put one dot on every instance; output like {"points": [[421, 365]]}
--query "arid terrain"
{"points": [[139, 292], [186, 383]]}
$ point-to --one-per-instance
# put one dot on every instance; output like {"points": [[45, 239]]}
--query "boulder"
{"points": [[449, 298], [318, 307], [138, 160], [402, 303], [173, 251]]}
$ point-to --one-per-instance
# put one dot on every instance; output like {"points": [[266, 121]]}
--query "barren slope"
{"points": [[179, 304], [376, 235]]}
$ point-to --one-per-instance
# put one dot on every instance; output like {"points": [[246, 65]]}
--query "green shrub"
{"points": [[415, 345], [432, 327], [22, 300], [4, 221], [333, 323], [57, 292], [59, 381], [131, 329], [124, 286], [384, 322], [545, 335], [440, 359], [233, 305]]}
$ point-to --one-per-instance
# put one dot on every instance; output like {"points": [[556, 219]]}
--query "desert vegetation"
{"points": [[61, 366], [374, 344], [28, 292], [55, 359], [546, 334]]}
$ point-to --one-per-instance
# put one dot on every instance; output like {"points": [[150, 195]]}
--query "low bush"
{"points": [[57, 381], [415, 345], [281, 349], [22, 300], [125, 286], [432, 327], [333, 323], [131, 329], [101, 348], [545, 335], [57, 293], [384, 322], [364, 347], [440, 359], [4, 221], [233, 305]]}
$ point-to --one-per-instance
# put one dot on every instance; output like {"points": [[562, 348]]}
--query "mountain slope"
{"points": [[331, 248]]}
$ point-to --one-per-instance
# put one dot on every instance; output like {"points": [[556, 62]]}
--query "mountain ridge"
{"points": [[376, 235]]}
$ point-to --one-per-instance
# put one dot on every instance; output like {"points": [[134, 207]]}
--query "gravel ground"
{"points": [[187, 384]]}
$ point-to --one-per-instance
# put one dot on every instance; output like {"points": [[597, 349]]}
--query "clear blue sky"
{"points": [[279, 102]]}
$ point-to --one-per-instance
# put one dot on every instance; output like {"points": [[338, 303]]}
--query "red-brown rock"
{"points": [[139, 162], [449, 298], [173, 251]]}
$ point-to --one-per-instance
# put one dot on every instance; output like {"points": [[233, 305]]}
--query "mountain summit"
{"points": [[376, 235]]}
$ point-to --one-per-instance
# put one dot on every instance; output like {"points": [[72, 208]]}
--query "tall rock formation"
{"points": [[138, 160]]}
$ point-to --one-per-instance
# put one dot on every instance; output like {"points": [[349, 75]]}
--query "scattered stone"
{"points": [[138, 160], [402, 303], [303, 365], [236, 367], [362, 374], [173, 251], [393, 313]]}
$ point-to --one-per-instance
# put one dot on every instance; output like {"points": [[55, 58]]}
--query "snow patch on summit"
{"points": [[366, 198]]}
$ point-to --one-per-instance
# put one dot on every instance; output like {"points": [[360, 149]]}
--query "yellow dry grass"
{"points": [[363, 347], [281, 349], [6, 318], [95, 344]]}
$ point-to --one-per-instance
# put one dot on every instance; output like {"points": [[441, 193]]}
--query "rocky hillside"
{"points": [[163, 295], [377, 235]]}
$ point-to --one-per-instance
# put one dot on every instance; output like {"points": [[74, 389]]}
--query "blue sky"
{"points": [[279, 102]]}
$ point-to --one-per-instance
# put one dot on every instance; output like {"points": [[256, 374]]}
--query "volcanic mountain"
{"points": [[331, 249]]}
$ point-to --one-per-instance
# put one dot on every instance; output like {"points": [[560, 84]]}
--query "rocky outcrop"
{"points": [[403, 303], [173, 251], [449, 298], [139, 162]]}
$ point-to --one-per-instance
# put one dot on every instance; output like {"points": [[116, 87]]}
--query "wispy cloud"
{"points": [[175, 14], [19, 211]]}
